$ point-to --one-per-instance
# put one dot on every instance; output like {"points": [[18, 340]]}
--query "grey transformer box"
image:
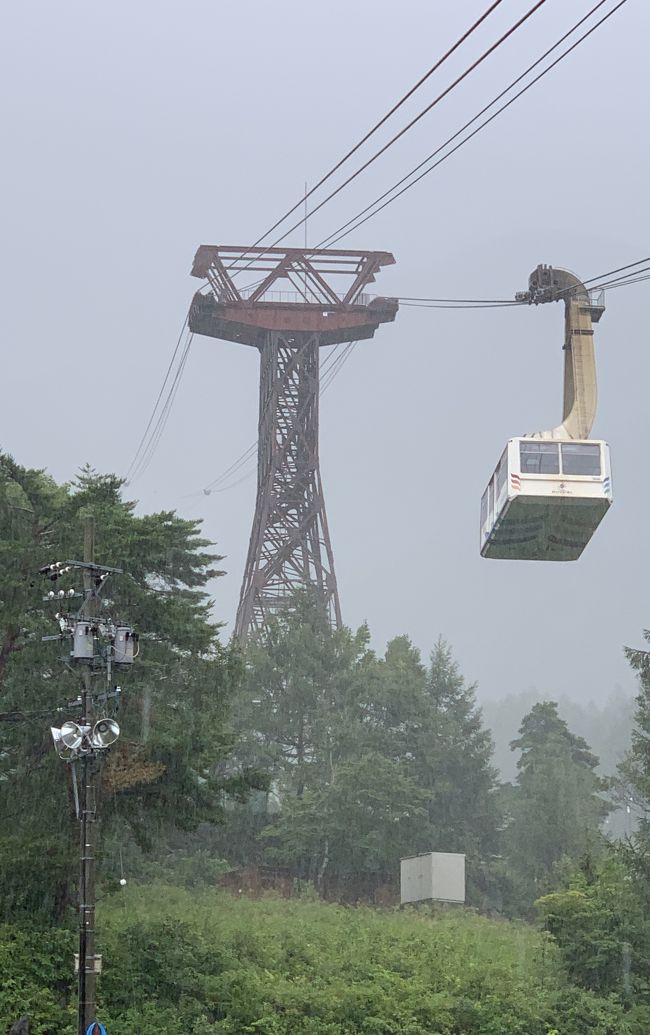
{"points": [[433, 876]]}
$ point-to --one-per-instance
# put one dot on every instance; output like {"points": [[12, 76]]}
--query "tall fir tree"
{"points": [[556, 807]]}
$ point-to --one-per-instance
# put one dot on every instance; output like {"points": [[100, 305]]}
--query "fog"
{"points": [[134, 133]]}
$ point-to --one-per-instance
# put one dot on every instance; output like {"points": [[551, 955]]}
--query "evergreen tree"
{"points": [[338, 729], [456, 764], [555, 808], [634, 771], [163, 773]]}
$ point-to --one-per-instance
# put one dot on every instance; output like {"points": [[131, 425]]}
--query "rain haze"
{"points": [[133, 133]]}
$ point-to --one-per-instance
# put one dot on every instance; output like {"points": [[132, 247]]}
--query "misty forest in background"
{"points": [[306, 766]]}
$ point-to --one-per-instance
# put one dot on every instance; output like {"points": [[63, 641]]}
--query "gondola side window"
{"points": [[491, 499], [581, 458], [502, 473], [484, 509], [539, 457]]}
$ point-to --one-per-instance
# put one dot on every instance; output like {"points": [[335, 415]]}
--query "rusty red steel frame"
{"points": [[290, 545]]}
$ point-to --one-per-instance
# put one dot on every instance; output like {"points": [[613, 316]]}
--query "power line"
{"points": [[381, 122], [357, 221]]}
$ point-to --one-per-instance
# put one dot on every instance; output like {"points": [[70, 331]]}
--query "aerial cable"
{"points": [[406, 299], [462, 305], [338, 235], [157, 403], [378, 125], [513, 28], [163, 416], [619, 270], [463, 301], [159, 427], [336, 362], [621, 281], [632, 280], [467, 124]]}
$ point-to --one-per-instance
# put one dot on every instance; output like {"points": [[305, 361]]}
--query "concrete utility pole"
{"points": [[98, 645]]}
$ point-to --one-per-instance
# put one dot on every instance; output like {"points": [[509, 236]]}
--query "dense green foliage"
{"points": [[606, 726], [212, 963], [369, 758], [555, 809], [312, 757], [600, 921], [163, 774], [36, 978]]}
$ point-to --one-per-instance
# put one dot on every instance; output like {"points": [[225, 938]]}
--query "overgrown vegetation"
{"points": [[209, 963], [312, 758]]}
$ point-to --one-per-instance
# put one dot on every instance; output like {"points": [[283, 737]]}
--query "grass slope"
{"points": [[184, 962]]}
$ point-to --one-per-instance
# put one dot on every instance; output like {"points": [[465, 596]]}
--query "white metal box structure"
{"points": [[435, 875], [545, 499]]}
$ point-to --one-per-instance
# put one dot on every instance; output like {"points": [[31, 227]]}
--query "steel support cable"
{"points": [[459, 79], [450, 139], [626, 283], [378, 125], [156, 434], [620, 269], [485, 123], [617, 281], [482, 305], [161, 423], [160, 393], [494, 302], [337, 235], [610, 285], [464, 301], [422, 303], [342, 358]]}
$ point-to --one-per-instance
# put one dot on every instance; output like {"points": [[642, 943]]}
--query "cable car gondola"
{"points": [[550, 490]]}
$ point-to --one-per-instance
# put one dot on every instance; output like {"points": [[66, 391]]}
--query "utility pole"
{"points": [[88, 961], [98, 645]]}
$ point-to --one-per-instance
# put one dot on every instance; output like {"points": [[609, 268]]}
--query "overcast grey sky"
{"points": [[133, 132]]}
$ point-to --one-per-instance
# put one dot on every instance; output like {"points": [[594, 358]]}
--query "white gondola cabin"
{"points": [[545, 499]]}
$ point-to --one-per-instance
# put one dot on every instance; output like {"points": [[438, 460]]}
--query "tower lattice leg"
{"points": [[290, 545]]}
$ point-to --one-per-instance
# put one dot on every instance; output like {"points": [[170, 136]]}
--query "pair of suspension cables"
{"points": [[162, 408]]}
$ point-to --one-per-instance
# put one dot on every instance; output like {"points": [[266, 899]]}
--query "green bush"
{"points": [[214, 963], [37, 978], [188, 962]]}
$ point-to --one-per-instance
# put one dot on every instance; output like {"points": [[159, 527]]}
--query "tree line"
{"points": [[306, 753]]}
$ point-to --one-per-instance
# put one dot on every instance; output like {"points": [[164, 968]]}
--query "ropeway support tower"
{"points": [[292, 310]]}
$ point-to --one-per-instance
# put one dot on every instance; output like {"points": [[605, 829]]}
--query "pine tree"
{"points": [[556, 807], [164, 772], [451, 758]]}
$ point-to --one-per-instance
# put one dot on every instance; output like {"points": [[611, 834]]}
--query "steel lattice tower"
{"points": [[290, 544]]}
